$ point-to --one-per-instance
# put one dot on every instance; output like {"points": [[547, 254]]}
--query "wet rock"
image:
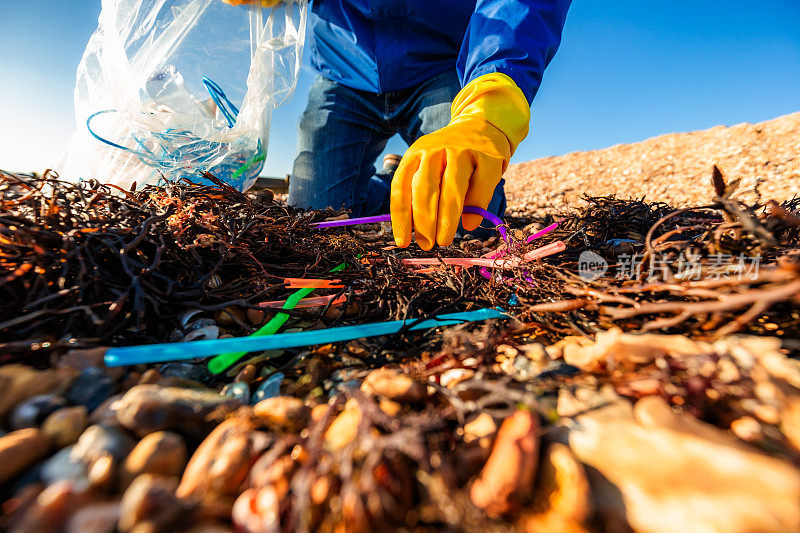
{"points": [[221, 463], [562, 499], [270, 388], [257, 511], [187, 371], [161, 453], [32, 412], [237, 391], [99, 441], [91, 388], [101, 517], [150, 505], [63, 466], [20, 382], [394, 386], [507, 476], [283, 413], [148, 408], [246, 375], [790, 421], [19, 450], [344, 427], [659, 474]]}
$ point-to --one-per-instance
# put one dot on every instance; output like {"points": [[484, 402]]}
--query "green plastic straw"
{"points": [[222, 362], [177, 351]]}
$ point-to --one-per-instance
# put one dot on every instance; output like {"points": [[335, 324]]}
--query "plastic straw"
{"points": [[157, 353], [461, 261], [538, 234], [221, 362], [544, 251], [309, 283]]}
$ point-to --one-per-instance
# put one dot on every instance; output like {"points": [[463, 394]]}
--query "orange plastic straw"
{"points": [[544, 251], [302, 283]]}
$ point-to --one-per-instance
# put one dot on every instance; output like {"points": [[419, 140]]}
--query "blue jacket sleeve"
{"points": [[517, 38]]}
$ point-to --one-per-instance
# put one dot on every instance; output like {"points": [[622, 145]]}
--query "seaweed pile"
{"points": [[616, 398]]}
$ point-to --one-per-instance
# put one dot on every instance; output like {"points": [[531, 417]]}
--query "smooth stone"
{"points": [[66, 425], [187, 371], [20, 382], [99, 441], [101, 517], [150, 505], [63, 466], [238, 391], [394, 385], [283, 413], [19, 450], [161, 453], [91, 388], [193, 413], [33, 411]]}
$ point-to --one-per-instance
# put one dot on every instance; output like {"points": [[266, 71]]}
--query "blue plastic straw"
{"points": [[158, 353]]}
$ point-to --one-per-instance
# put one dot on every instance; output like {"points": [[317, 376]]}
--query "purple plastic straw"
{"points": [[545, 231], [470, 210]]}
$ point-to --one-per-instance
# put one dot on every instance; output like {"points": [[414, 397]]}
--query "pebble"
{"points": [[32, 412], [91, 388], [149, 376], [221, 463], [394, 386], [344, 427], [101, 517], [99, 441], [161, 453], [63, 466], [64, 426], [283, 413], [19, 450], [150, 505], [269, 388], [748, 429], [80, 360], [237, 391], [188, 372], [20, 382], [481, 426], [193, 413], [507, 477], [452, 377], [246, 375]]}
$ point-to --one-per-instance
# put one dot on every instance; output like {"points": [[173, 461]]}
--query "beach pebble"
{"points": [[100, 517], [64, 426], [187, 371], [19, 450], [63, 466], [394, 386], [237, 391], [99, 441], [20, 382], [91, 388], [161, 453], [150, 505], [148, 408], [283, 413], [270, 388], [33, 411]]}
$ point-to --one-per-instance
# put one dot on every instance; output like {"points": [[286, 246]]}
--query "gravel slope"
{"points": [[673, 168]]}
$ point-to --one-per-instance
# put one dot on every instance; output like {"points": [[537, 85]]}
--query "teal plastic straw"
{"points": [[158, 353], [223, 361]]}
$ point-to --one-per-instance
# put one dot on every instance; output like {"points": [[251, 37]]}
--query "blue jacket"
{"points": [[388, 45]]}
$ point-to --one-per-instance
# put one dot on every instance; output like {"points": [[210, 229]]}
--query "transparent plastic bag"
{"points": [[170, 89]]}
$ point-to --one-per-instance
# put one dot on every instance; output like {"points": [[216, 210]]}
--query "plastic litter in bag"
{"points": [[170, 89]]}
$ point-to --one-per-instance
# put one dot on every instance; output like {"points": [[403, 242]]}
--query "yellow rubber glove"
{"points": [[264, 3], [460, 164]]}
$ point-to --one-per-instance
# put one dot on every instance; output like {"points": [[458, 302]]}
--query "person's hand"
{"points": [[264, 3], [460, 164]]}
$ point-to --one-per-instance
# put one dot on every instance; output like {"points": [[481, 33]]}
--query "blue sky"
{"points": [[627, 70]]}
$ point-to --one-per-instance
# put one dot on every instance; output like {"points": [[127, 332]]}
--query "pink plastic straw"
{"points": [[544, 251], [545, 231], [461, 261]]}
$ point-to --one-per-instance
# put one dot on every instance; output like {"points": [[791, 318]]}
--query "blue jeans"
{"points": [[343, 131]]}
